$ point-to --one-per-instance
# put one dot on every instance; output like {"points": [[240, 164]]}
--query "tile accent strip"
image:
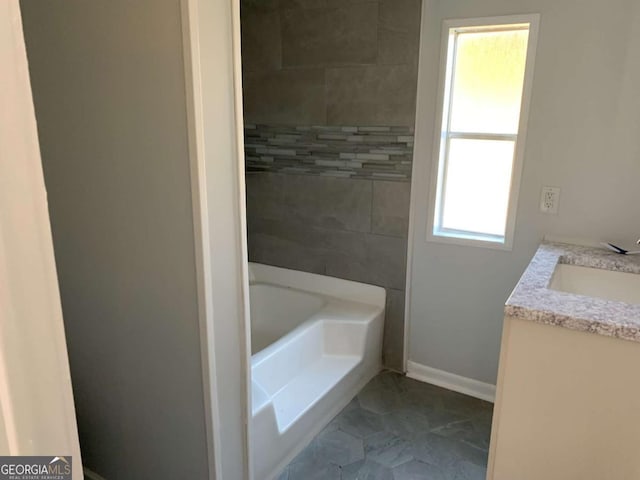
{"points": [[380, 152]]}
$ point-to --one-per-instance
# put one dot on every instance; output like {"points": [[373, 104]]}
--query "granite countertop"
{"points": [[533, 300]]}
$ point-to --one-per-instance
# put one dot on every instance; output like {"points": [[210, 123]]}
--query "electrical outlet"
{"points": [[549, 200]]}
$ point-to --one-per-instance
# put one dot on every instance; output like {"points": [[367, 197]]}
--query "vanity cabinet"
{"points": [[568, 394], [567, 406]]}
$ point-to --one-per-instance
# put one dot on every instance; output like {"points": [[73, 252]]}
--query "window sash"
{"points": [[439, 229], [443, 134], [448, 73], [481, 136]]}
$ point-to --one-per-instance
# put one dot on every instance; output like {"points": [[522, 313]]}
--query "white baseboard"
{"points": [[89, 475], [451, 381]]}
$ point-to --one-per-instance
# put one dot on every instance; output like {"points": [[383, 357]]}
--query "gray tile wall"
{"points": [[347, 228], [315, 73], [330, 62]]}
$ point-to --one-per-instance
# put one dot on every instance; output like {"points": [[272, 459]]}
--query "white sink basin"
{"points": [[595, 282]]}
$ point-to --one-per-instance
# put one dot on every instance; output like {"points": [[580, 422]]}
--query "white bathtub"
{"points": [[316, 341]]}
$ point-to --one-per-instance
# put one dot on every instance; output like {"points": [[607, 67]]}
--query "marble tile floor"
{"points": [[400, 429]]}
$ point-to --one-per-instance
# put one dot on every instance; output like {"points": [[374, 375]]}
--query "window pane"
{"points": [[477, 184], [488, 79]]}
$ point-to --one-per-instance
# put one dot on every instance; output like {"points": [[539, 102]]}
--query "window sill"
{"points": [[470, 240]]}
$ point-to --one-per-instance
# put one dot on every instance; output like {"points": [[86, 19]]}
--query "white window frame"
{"points": [[457, 237]]}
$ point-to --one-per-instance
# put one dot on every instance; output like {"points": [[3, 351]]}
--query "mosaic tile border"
{"points": [[372, 152]]}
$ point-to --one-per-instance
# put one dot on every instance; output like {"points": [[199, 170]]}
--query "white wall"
{"points": [[109, 90], [583, 136]]}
